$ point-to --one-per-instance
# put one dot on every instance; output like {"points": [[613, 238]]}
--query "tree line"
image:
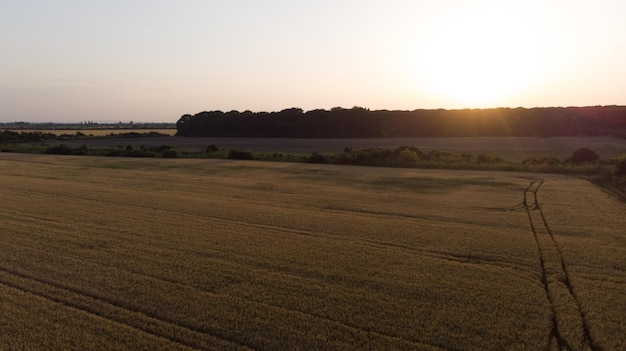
{"points": [[359, 122]]}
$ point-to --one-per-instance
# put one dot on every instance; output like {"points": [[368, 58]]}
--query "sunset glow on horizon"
{"points": [[68, 61]]}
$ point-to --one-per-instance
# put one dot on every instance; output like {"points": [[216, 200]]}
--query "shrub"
{"points": [[138, 153], [346, 158], [620, 167], [482, 158], [83, 150], [550, 161], [235, 154], [417, 151], [212, 148], [124, 152], [409, 156], [59, 150], [374, 155], [317, 158], [115, 152], [433, 155], [160, 149], [130, 135], [170, 153], [584, 155]]}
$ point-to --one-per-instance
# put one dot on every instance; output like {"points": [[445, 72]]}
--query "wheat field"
{"points": [[101, 132], [188, 254]]}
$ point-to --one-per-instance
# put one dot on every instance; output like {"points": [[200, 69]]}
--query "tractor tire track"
{"points": [[570, 329], [350, 326], [113, 311]]}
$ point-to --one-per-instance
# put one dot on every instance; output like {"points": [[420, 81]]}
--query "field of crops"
{"points": [[510, 147], [100, 132], [183, 254]]}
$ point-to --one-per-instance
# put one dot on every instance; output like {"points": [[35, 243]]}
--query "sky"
{"points": [[153, 61]]}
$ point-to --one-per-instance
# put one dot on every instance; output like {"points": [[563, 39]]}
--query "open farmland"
{"points": [[101, 132], [110, 253], [510, 147]]}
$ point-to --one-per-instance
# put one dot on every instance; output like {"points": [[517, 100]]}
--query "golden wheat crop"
{"points": [[99, 253], [100, 132]]}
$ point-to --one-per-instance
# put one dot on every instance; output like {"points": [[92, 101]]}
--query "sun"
{"points": [[481, 58]]}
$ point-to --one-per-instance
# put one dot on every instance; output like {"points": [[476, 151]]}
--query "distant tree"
{"points": [[360, 122], [584, 155], [182, 121], [293, 111]]}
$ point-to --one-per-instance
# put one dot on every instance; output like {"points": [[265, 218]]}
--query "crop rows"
{"points": [[189, 254]]}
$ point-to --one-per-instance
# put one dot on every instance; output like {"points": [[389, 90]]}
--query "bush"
{"points": [[138, 153], [235, 154], [125, 152], [83, 150], [171, 153], [160, 149], [59, 150], [398, 151], [433, 155], [620, 167], [375, 155], [212, 148], [584, 155], [115, 152], [482, 158], [317, 158], [409, 156]]}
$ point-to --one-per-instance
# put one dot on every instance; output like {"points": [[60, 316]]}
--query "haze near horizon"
{"points": [[147, 61]]}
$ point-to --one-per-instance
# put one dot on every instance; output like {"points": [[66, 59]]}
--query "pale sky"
{"points": [[153, 61]]}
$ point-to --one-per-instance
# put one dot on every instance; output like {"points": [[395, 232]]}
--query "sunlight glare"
{"points": [[482, 58]]}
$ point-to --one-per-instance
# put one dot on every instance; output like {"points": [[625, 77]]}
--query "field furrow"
{"points": [[87, 303], [239, 298], [207, 254]]}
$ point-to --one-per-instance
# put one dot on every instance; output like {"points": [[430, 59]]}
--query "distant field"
{"points": [[514, 147], [184, 254], [99, 132]]}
